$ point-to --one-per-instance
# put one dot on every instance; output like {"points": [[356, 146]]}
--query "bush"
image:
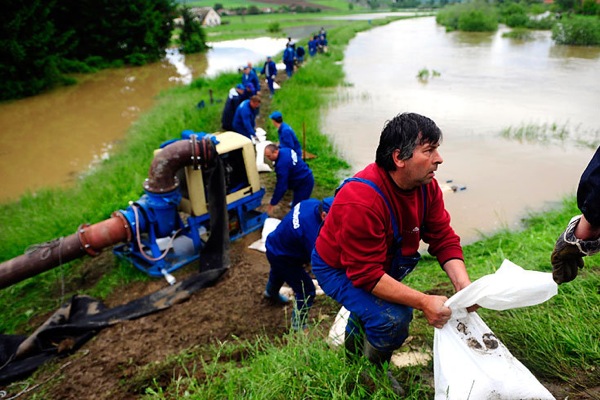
{"points": [[577, 31], [470, 17], [274, 27], [514, 15]]}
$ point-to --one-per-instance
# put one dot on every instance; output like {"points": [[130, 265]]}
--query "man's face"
{"points": [[254, 104], [420, 168], [271, 154]]}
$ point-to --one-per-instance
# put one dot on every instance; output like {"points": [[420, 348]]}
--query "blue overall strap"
{"points": [[397, 236]]}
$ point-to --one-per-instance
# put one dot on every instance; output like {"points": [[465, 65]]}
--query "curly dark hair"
{"points": [[404, 132]]}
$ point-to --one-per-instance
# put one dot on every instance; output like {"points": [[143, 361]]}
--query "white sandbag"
{"points": [[268, 227], [469, 360], [337, 332], [260, 157], [261, 134], [510, 287]]}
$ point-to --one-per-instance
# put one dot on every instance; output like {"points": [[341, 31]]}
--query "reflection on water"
{"points": [[487, 83], [49, 139]]}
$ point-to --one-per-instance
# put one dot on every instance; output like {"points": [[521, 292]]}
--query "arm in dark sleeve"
{"points": [[588, 192]]}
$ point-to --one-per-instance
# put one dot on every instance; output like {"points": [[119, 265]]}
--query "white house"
{"points": [[206, 15]]}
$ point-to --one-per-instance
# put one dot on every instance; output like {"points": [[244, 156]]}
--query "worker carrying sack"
{"points": [[470, 362]]}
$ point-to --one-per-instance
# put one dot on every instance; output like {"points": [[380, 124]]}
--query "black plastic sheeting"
{"points": [[83, 317]]}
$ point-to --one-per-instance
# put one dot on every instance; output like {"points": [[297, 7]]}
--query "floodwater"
{"points": [[479, 85], [50, 139]]}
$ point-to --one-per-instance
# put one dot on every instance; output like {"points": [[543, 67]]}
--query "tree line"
{"points": [[42, 41]]}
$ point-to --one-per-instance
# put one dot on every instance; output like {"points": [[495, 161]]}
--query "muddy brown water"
{"points": [[486, 83], [50, 139], [483, 84]]}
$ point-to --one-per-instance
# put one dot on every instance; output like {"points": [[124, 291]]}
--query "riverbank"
{"points": [[557, 340]]}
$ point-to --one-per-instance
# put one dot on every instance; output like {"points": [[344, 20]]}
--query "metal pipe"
{"points": [[162, 175], [89, 239], [92, 239]]}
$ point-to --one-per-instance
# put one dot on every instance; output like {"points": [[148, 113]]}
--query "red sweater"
{"points": [[358, 229]]}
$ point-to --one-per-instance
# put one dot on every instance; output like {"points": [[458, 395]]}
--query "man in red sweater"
{"points": [[370, 240]]}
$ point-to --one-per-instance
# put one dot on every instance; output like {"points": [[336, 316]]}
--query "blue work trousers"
{"points": [[289, 69], [385, 324], [270, 84], [303, 190], [291, 271]]}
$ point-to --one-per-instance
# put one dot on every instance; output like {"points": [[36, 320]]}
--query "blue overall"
{"points": [[289, 247], [385, 324]]}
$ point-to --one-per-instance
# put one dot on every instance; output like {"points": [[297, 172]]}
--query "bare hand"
{"points": [[435, 311], [270, 210]]}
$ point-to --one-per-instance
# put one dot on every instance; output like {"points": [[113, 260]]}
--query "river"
{"points": [[483, 84], [50, 139]]}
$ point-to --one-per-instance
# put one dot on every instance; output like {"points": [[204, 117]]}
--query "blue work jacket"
{"points": [[296, 234], [287, 138], [244, 119], [291, 172]]}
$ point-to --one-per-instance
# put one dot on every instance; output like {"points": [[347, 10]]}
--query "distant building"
{"points": [[207, 16]]}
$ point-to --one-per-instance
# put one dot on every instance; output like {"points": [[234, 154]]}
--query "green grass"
{"points": [[248, 26], [340, 5], [557, 340]]}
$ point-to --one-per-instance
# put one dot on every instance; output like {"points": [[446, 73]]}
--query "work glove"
{"points": [[569, 251]]}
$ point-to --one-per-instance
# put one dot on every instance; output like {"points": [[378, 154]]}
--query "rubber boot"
{"points": [[272, 294], [353, 338], [380, 358]]}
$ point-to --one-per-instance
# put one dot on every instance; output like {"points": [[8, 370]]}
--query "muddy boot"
{"points": [[272, 294], [379, 358], [353, 338]]}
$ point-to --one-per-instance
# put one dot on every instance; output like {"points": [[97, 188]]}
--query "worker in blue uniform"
{"points": [[287, 137], [249, 76], [582, 236], [270, 72], [234, 99], [289, 59], [292, 173], [244, 119], [289, 249]]}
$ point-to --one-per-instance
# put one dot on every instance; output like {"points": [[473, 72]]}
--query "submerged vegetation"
{"points": [[552, 134]]}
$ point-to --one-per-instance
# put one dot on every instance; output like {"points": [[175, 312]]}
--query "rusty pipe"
{"points": [[162, 175], [89, 239]]}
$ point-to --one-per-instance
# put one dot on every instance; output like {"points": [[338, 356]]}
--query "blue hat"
{"points": [[240, 86], [275, 114], [327, 202], [250, 86]]}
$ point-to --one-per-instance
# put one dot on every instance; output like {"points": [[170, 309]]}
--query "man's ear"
{"points": [[397, 160]]}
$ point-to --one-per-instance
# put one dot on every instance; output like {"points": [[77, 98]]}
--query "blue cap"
{"points": [[240, 86], [250, 86], [327, 202], [275, 114]]}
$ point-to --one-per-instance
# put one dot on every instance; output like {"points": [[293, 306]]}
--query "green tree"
{"points": [[136, 31], [192, 37], [29, 47]]}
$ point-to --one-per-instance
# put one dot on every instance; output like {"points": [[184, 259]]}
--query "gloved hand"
{"points": [[566, 260], [567, 257]]}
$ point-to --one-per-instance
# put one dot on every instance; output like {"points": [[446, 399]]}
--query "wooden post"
{"points": [[303, 141]]}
